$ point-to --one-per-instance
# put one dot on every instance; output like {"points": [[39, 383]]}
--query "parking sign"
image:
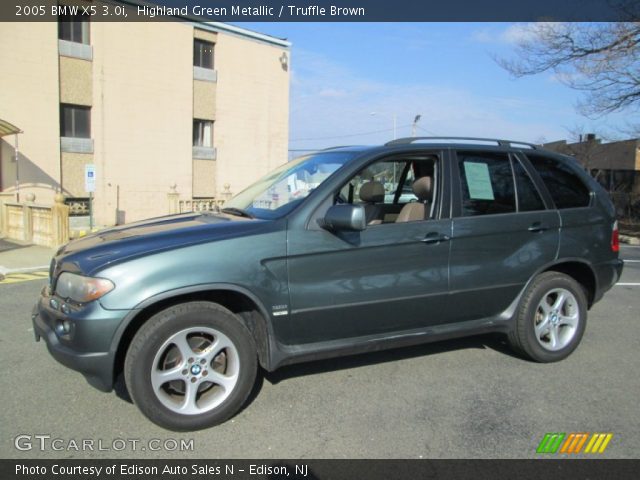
{"points": [[90, 178]]}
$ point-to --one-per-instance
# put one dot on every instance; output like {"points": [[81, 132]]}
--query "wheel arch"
{"points": [[581, 272], [233, 297]]}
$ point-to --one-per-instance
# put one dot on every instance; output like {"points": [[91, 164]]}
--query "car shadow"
{"points": [[120, 389], [491, 341]]}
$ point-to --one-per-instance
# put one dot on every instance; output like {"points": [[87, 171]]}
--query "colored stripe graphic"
{"points": [[572, 443], [550, 443], [598, 443]]}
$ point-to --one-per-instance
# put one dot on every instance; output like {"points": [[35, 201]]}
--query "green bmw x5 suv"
{"points": [[347, 250]]}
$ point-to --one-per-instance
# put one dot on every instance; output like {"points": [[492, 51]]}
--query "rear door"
{"points": [[502, 233]]}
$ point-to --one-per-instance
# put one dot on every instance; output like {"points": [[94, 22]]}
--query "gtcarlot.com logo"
{"points": [[45, 442], [574, 443]]}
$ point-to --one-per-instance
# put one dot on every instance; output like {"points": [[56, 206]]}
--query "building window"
{"points": [[75, 121], [203, 133], [202, 54], [74, 28]]}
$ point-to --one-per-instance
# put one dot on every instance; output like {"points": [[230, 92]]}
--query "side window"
{"points": [[386, 176], [565, 187], [486, 183], [528, 197]]}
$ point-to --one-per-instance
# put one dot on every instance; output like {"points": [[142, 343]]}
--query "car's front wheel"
{"points": [[191, 366], [551, 318]]}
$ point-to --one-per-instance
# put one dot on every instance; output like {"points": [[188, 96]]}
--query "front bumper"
{"points": [[86, 347]]}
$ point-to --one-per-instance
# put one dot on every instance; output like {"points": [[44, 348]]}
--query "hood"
{"points": [[115, 245]]}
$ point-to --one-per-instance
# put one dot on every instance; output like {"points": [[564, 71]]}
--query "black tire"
{"points": [[216, 322], [540, 347]]}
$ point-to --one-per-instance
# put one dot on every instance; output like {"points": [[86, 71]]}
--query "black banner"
{"points": [[324, 10], [318, 469]]}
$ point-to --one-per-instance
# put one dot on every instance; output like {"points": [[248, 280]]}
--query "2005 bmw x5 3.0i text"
{"points": [[347, 250]]}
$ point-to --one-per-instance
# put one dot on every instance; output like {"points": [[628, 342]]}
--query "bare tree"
{"points": [[601, 59]]}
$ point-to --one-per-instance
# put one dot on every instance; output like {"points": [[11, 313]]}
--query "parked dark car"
{"points": [[319, 259]]}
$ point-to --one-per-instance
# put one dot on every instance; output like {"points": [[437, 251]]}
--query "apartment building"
{"points": [[193, 107]]}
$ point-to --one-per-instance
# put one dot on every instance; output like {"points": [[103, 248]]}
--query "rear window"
{"points": [[564, 185]]}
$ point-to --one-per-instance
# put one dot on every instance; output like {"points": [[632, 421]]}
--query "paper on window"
{"points": [[478, 181]]}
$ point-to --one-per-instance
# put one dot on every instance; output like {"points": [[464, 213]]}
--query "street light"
{"points": [[415, 124]]}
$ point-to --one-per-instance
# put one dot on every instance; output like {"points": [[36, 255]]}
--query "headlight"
{"points": [[82, 289]]}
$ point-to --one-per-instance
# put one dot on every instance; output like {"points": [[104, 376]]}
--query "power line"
{"points": [[428, 131]]}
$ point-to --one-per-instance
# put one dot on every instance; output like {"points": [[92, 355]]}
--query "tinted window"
{"points": [[486, 183], [564, 185], [203, 54], [75, 121], [202, 133], [528, 196], [74, 28]]}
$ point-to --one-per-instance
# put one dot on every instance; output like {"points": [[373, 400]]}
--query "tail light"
{"points": [[615, 238]]}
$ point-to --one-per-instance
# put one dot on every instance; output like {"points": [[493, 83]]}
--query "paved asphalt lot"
{"points": [[464, 398]]}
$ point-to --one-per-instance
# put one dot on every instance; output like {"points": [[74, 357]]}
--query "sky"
{"points": [[350, 80]]}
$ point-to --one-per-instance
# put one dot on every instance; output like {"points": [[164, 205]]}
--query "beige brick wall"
{"points": [[76, 81], [204, 100], [205, 35], [204, 178], [142, 116], [29, 99], [7, 163], [252, 111], [73, 173]]}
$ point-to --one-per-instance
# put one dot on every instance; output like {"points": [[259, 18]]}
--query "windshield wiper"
{"points": [[238, 212]]}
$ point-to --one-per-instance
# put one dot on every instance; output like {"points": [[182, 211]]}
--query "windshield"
{"points": [[280, 191]]}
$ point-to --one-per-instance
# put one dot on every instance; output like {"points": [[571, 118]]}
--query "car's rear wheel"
{"points": [[551, 318], [191, 366]]}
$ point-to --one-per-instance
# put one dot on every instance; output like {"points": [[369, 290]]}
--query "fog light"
{"points": [[65, 308], [63, 327], [53, 303]]}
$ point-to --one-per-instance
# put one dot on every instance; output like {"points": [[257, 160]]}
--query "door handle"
{"points": [[537, 227], [435, 237]]}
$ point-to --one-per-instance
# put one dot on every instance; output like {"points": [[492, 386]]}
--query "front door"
{"points": [[391, 277]]}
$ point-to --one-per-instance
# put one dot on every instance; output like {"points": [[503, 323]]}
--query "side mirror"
{"points": [[344, 218]]}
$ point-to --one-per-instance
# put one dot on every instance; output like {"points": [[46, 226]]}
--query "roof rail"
{"points": [[336, 147], [501, 143]]}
